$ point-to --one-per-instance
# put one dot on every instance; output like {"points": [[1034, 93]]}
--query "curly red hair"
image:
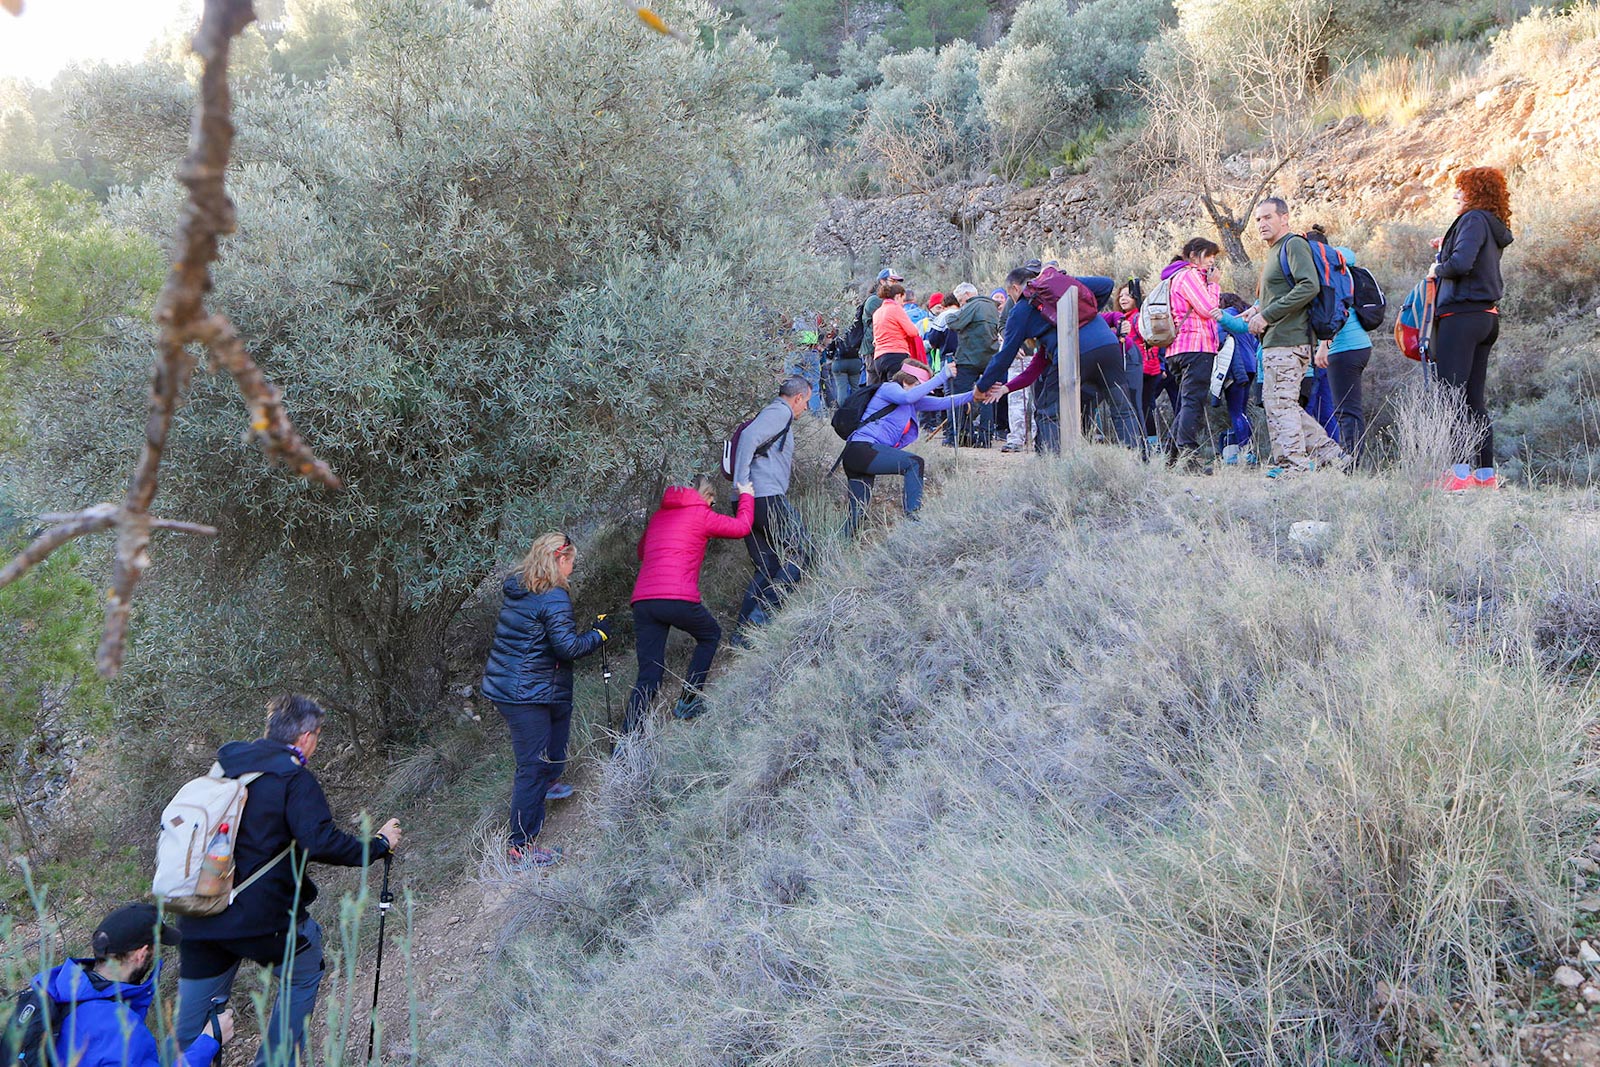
{"points": [[1484, 189]]}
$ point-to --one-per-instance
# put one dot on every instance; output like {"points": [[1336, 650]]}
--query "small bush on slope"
{"points": [[1089, 768]]}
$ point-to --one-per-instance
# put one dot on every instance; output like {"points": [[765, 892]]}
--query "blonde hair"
{"points": [[540, 570]]}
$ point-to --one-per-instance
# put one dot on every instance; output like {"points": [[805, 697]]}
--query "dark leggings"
{"points": [[1344, 379], [862, 463], [653, 620], [1461, 344], [1193, 371]]}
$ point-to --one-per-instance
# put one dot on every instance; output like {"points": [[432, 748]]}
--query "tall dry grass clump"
{"points": [[1093, 766]]}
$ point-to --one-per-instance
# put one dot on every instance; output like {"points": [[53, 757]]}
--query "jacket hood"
{"points": [[513, 587], [682, 496], [1172, 268], [1498, 230], [70, 981], [263, 754]]}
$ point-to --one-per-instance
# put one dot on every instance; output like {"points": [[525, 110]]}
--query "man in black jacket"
{"points": [[285, 825]]}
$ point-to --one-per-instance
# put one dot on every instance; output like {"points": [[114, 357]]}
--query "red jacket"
{"points": [[892, 332], [674, 543]]}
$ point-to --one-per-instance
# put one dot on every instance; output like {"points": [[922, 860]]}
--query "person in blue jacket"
{"points": [[99, 1004], [1234, 442], [888, 426], [529, 679], [1344, 358], [1103, 364]]}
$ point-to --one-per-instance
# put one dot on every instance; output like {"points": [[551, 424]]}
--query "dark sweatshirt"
{"points": [[1469, 263]]}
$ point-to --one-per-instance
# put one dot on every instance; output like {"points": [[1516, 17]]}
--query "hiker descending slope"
{"points": [[1467, 315], [888, 426], [529, 679], [667, 592], [779, 544]]}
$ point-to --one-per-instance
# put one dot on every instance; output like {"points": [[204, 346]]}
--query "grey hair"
{"points": [[964, 290], [794, 385], [290, 716], [1279, 204]]}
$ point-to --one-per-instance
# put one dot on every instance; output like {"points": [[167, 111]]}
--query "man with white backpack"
{"points": [[284, 824]]}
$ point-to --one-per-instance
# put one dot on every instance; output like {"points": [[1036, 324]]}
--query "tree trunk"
{"points": [[1230, 229]]}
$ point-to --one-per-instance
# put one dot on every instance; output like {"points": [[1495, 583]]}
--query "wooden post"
{"points": [[1068, 372]]}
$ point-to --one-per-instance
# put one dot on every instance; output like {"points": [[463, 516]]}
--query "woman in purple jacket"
{"points": [[888, 425]]}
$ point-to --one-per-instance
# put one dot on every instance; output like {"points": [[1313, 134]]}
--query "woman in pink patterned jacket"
{"points": [[1195, 307]]}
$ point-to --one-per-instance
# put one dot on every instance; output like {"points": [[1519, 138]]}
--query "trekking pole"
{"points": [[605, 672], [385, 900]]}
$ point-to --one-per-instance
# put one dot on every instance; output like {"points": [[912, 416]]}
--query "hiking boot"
{"points": [[1008, 447], [1277, 471], [532, 855], [1230, 456], [689, 708], [1485, 478], [1457, 479], [558, 791]]}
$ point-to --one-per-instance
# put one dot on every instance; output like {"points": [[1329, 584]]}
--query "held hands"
{"points": [[743, 489]]}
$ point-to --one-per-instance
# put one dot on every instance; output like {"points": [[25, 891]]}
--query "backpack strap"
{"points": [[764, 447], [259, 871], [868, 421]]}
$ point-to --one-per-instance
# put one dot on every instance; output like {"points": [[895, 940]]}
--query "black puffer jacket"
{"points": [[535, 643], [1469, 262], [285, 804]]}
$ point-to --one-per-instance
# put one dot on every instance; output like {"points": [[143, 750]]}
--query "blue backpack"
{"points": [[1330, 308]]}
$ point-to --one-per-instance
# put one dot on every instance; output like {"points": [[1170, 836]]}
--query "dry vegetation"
{"points": [[1141, 774]]}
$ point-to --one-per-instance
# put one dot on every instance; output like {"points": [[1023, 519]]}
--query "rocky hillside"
{"points": [[1526, 113]]}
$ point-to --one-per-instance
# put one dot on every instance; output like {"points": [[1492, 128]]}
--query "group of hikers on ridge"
{"points": [[902, 371]]}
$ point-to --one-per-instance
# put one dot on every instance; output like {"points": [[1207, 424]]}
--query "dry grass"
{"points": [[1397, 88], [1094, 766]]}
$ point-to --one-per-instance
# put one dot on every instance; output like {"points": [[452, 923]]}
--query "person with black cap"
{"points": [[286, 824], [98, 1005]]}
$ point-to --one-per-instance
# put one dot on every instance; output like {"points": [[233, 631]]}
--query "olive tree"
{"points": [[512, 267]]}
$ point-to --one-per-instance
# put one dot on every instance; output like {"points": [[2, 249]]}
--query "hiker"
{"points": [[845, 358], [1124, 320], [1467, 313], [98, 1005], [886, 276], [528, 677], [1101, 360], [976, 326], [1192, 352], [1344, 358], [807, 358], [285, 826], [779, 544], [888, 426], [1243, 368], [1280, 318], [895, 339], [667, 592]]}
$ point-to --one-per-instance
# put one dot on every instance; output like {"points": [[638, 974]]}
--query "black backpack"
{"points": [[34, 1022], [852, 414], [850, 344], [1370, 307]]}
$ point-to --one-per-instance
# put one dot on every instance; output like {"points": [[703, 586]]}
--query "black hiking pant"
{"points": [[1344, 379], [653, 621], [539, 734], [780, 547]]}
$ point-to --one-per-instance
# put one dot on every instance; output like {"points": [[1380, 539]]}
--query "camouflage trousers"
{"points": [[1297, 438]]}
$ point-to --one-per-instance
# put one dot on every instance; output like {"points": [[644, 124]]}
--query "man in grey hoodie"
{"points": [[779, 544]]}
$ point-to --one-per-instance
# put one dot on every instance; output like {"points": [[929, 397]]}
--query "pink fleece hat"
{"points": [[917, 369]]}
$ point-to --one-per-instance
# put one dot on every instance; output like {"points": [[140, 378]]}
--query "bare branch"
{"points": [[181, 319]]}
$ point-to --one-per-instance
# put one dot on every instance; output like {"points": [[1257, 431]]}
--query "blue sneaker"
{"points": [[689, 708], [1277, 472], [558, 791]]}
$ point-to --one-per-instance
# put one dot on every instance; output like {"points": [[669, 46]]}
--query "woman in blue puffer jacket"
{"points": [[529, 678]]}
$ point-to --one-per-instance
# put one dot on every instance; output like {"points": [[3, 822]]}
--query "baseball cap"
{"points": [[935, 300], [1033, 266], [130, 927], [887, 274]]}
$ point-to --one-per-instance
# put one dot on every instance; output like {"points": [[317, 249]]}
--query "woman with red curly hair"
{"points": [[1467, 316]]}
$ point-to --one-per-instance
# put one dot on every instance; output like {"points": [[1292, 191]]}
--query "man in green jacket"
{"points": [[1282, 320], [977, 327]]}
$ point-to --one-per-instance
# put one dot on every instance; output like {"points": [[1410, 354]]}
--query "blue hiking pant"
{"points": [[209, 968], [862, 462]]}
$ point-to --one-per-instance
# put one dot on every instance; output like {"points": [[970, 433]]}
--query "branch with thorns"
{"points": [[181, 319]]}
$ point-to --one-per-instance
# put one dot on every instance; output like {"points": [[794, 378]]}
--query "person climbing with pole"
{"points": [[529, 679]]}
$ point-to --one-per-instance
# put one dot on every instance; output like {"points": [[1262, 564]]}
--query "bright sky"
{"points": [[52, 33]]}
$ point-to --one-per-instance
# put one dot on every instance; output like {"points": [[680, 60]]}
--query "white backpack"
{"points": [[188, 823], [1156, 324]]}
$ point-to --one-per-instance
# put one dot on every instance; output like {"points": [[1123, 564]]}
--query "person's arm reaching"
{"points": [[1031, 372], [1100, 286], [564, 637], [738, 524], [1015, 334], [311, 824]]}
